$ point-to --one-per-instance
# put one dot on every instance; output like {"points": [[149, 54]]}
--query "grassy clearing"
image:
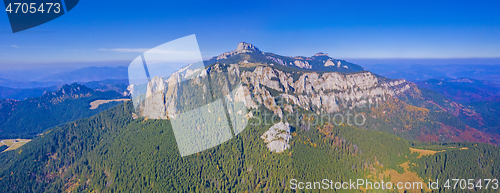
{"points": [[424, 152], [96, 103], [7, 142], [394, 177], [14, 143], [433, 150], [407, 176]]}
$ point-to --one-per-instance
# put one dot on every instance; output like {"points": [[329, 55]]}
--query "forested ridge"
{"points": [[111, 152], [30, 117]]}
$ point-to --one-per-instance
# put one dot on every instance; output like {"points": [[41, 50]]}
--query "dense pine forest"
{"points": [[111, 152], [69, 103]]}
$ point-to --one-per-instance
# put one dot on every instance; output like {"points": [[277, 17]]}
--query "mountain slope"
{"points": [[90, 74], [382, 104], [247, 53], [25, 79], [123, 150], [415, 71], [22, 93], [26, 84], [463, 89], [118, 85], [112, 152], [27, 118]]}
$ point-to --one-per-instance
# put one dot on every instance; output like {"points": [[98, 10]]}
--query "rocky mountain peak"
{"points": [[321, 54], [73, 89], [465, 80], [245, 46], [242, 47], [319, 62], [70, 91]]}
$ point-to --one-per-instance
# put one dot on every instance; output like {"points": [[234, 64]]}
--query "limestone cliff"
{"points": [[277, 137], [281, 90], [278, 91]]}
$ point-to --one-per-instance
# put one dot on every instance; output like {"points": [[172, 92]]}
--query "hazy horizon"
{"points": [[68, 66]]}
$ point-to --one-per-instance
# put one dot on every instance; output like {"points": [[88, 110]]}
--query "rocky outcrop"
{"points": [[154, 107], [241, 48], [277, 137], [245, 46], [329, 63], [278, 91], [243, 95], [159, 99], [320, 92], [277, 60], [320, 54], [66, 92], [332, 62], [302, 64], [318, 62]]}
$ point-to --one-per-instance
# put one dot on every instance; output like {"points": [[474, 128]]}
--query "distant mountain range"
{"points": [[23, 93], [447, 71], [463, 89], [100, 78], [26, 84], [30, 117], [118, 85], [88, 74]]}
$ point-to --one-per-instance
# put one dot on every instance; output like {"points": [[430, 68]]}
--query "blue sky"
{"points": [[88, 34]]}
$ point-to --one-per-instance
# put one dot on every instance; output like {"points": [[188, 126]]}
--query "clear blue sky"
{"points": [[343, 29]]}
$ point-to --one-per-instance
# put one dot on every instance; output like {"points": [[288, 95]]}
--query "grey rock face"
{"points": [[326, 92], [245, 46], [241, 48], [154, 106], [277, 60], [277, 137], [302, 64], [279, 92]]}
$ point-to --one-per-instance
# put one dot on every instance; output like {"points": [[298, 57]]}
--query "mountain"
{"points": [[480, 96], [489, 111], [249, 56], [114, 152], [26, 84], [419, 72], [118, 85], [463, 89], [90, 74], [30, 117], [394, 106], [22, 93], [332, 124]]}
